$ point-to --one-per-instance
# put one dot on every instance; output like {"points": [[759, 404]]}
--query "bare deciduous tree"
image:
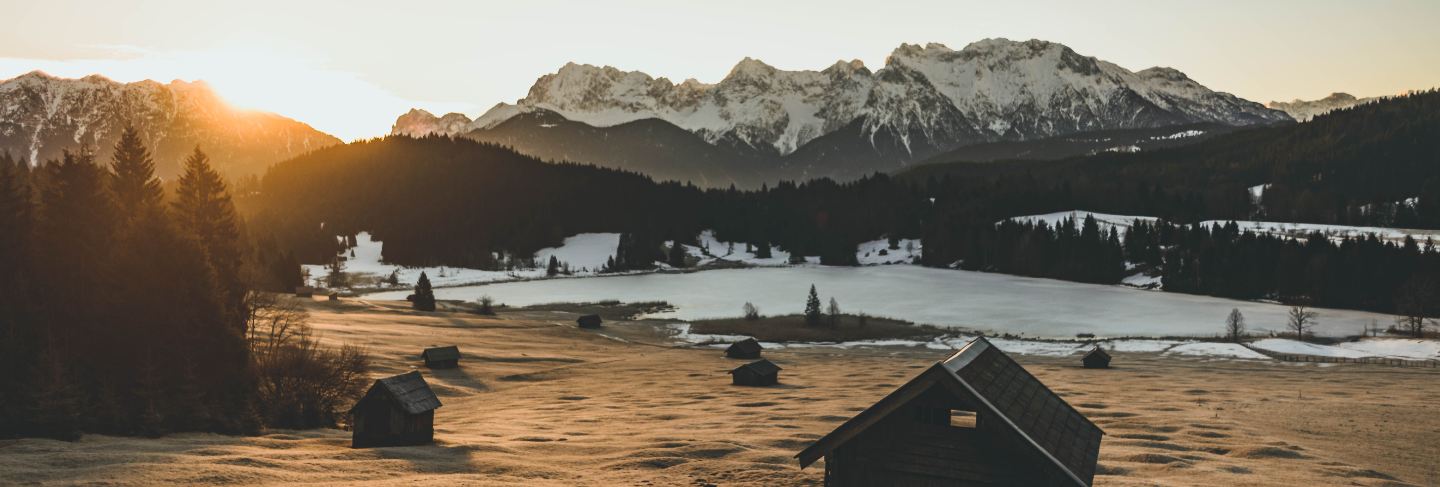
{"points": [[1302, 320], [752, 312], [1417, 306], [1234, 325], [833, 311]]}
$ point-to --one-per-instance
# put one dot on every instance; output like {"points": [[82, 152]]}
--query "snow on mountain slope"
{"points": [[1304, 110], [995, 89], [41, 115]]}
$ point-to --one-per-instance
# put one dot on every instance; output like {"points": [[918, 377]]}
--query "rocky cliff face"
{"points": [[41, 116]]}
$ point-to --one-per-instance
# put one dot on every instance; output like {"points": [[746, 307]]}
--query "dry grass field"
{"points": [[538, 401]]}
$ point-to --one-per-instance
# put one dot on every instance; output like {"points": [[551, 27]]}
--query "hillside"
{"points": [[42, 115]]}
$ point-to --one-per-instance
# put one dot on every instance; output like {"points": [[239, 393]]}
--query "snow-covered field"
{"points": [[995, 303], [1411, 349], [587, 253]]}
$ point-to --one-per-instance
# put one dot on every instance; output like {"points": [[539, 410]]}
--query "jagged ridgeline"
{"points": [[41, 116], [761, 123]]}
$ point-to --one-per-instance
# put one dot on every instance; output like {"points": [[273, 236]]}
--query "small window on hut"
{"points": [[962, 419]]}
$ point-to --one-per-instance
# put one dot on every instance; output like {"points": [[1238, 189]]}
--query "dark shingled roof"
{"points": [[1097, 352], [441, 353], [1031, 415], [762, 367], [748, 345], [410, 392]]}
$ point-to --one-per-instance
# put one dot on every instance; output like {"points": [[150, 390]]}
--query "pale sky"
{"points": [[351, 67]]}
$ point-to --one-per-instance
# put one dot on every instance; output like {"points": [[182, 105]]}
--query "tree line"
{"points": [[127, 310]]}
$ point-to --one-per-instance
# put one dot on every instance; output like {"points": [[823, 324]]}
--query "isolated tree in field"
{"points": [[1417, 306], [424, 298], [833, 312], [1301, 321], [752, 313], [1234, 325], [553, 267], [394, 279], [487, 305], [336, 277], [812, 308]]}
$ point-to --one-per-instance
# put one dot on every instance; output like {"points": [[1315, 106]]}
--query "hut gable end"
{"points": [[1047, 440]]}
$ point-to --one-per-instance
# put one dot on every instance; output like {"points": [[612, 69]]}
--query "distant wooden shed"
{"points": [[758, 373], [589, 321], [975, 418], [397, 411], [441, 357], [334, 296], [747, 348], [1096, 359], [304, 291]]}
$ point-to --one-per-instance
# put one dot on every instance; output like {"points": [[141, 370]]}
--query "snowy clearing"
{"points": [[1370, 347], [1225, 350], [994, 303]]}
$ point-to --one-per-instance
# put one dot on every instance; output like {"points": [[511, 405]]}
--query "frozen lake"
{"points": [[976, 300]]}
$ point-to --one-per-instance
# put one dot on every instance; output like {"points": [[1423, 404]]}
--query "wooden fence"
{"points": [[1392, 362]]}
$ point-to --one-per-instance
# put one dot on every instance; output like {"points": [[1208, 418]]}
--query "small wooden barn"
{"points": [[1096, 359], [758, 373], [589, 321], [441, 357], [334, 296], [397, 411], [747, 348], [975, 418], [304, 291]]}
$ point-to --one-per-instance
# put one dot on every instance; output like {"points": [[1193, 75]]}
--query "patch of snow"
{"points": [[1140, 345], [1295, 347], [1124, 149], [1106, 221], [1179, 135], [586, 252], [1210, 349], [1407, 348], [907, 251], [1303, 230], [1142, 281]]}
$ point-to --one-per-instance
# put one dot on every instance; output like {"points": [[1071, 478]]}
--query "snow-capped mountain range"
{"points": [[924, 100], [42, 115], [1304, 110]]}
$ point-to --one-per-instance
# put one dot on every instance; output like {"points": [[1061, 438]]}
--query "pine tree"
{"points": [[553, 268], [133, 176], [204, 210], [677, 255], [424, 298], [812, 308], [762, 250]]}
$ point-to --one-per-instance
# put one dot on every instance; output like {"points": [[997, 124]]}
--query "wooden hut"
{"points": [[1096, 359], [589, 321], [334, 296], [747, 348], [975, 418], [397, 411], [758, 373], [304, 291], [441, 357]]}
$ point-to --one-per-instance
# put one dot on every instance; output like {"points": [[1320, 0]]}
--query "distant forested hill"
{"points": [[1353, 166]]}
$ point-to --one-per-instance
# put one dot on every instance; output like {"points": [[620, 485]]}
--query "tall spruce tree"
{"points": [[424, 298], [133, 176], [204, 210], [813, 317]]}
